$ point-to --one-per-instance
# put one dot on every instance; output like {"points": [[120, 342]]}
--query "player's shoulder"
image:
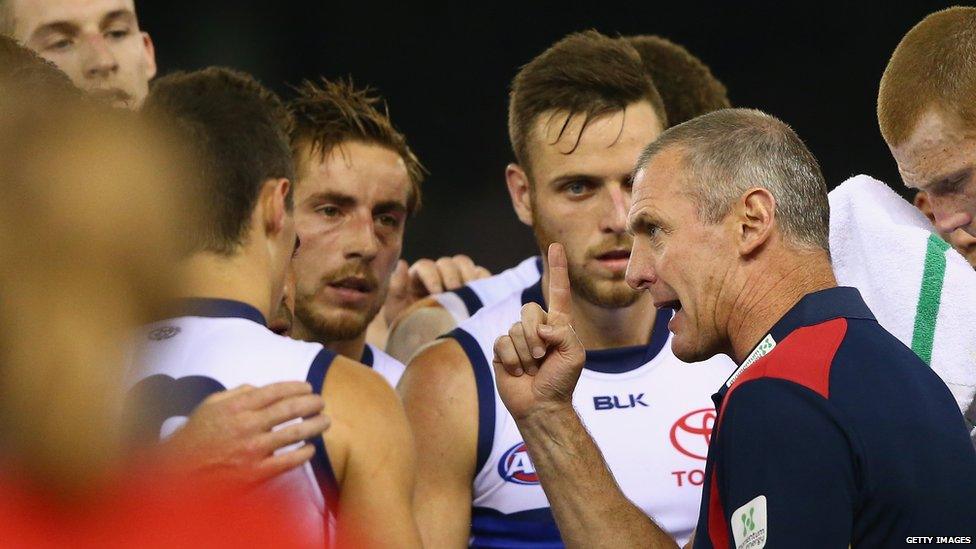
{"points": [[442, 364], [356, 384]]}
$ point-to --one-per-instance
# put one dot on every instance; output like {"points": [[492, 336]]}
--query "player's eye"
{"points": [[329, 211], [60, 44], [118, 34], [576, 188], [388, 220]]}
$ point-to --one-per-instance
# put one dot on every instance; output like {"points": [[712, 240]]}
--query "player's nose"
{"points": [[99, 61], [361, 240], [615, 221]]}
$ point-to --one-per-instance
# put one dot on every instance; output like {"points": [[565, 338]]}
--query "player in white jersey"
{"points": [[642, 405], [687, 88], [238, 255], [572, 182], [358, 182]]}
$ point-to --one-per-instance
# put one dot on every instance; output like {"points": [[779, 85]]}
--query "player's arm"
{"points": [[791, 468], [372, 454], [440, 397], [418, 326], [230, 436], [537, 367]]}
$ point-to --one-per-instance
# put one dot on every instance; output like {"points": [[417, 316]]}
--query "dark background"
{"points": [[445, 72]]}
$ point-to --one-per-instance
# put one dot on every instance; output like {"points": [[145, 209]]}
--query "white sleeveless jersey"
{"points": [[650, 414], [467, 300], [385, 365], [218, 345]]}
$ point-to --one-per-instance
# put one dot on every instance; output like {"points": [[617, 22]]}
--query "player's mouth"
{"points": [[615, 260], [352, 288], [112, 96]]}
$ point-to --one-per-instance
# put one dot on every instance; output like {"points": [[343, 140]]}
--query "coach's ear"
{"points": [[518, 189], [754, 217], [273, 201]]}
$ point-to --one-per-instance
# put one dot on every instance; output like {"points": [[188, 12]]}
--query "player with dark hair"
{"points": [[217, 337], [358, 182], [579, 114], [686, 84], [686, 88]]}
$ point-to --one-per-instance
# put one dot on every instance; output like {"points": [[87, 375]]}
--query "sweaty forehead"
{"points": [[606, 142], [938, 146], [30, 14], [367, 171]]}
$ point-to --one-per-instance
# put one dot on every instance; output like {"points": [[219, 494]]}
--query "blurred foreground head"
{"points": [[91, 214]]}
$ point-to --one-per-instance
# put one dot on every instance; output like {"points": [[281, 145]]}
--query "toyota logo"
{"points": [[692, 433]]}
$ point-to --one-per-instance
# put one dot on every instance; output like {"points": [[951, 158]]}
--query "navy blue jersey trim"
{"points": [[821, 306], [620, 359], [485, 385], [471, 300], [368, 357], [538, 264], [531, 528], [321, 465], [217, 308]]}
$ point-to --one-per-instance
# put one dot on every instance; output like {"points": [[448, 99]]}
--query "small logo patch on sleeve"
{"points": [[749, 524]]}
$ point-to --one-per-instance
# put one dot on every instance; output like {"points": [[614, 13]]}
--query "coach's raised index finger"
{"points": [[560, 313]]}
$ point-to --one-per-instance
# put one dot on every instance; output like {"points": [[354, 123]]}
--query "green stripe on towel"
{"points": [[929, 297]]}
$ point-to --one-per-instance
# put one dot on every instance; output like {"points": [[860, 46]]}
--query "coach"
{"points": [[831, 432]]}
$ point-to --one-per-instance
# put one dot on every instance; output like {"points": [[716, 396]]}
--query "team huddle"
{"points": [[709, 350]]}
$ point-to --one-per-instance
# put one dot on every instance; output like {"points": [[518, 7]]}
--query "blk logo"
{"points": [[516, 467], [692, 433], [615, 402]]}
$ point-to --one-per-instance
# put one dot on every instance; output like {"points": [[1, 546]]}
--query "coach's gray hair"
{"points": [[729, 151]]}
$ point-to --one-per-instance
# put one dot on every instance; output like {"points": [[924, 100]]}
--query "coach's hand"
{"points": [[539, 362], [427, 277], [230, 434]]}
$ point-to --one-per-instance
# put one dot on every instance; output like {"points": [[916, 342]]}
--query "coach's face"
{"points": [[682, 262], [580, 193], [939, 157], [95, 42], [350, 211]]}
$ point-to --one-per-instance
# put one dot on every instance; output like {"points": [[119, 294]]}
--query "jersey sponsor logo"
{"points": [[614, 402], [166, 332], [749, 524], [765, 346], [516, 467], [692, 433]]}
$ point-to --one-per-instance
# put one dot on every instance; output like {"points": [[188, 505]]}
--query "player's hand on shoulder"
{"points": [[230, 434], [427, 277], [538, 363]]}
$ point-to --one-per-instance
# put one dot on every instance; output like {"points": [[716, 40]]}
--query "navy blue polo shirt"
{"points": [[833, 433]]}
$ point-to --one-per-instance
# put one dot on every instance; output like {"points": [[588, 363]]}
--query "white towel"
{"points": [[919, 288]]}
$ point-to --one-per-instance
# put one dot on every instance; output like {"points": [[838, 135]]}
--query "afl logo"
{"points": [[516, 467], [692, 433], [165, 332]]}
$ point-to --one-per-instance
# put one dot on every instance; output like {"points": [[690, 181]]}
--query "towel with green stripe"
{"points": [[919, 288]]}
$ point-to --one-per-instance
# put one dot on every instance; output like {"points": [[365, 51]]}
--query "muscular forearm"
{"points": [[589, 507]]}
